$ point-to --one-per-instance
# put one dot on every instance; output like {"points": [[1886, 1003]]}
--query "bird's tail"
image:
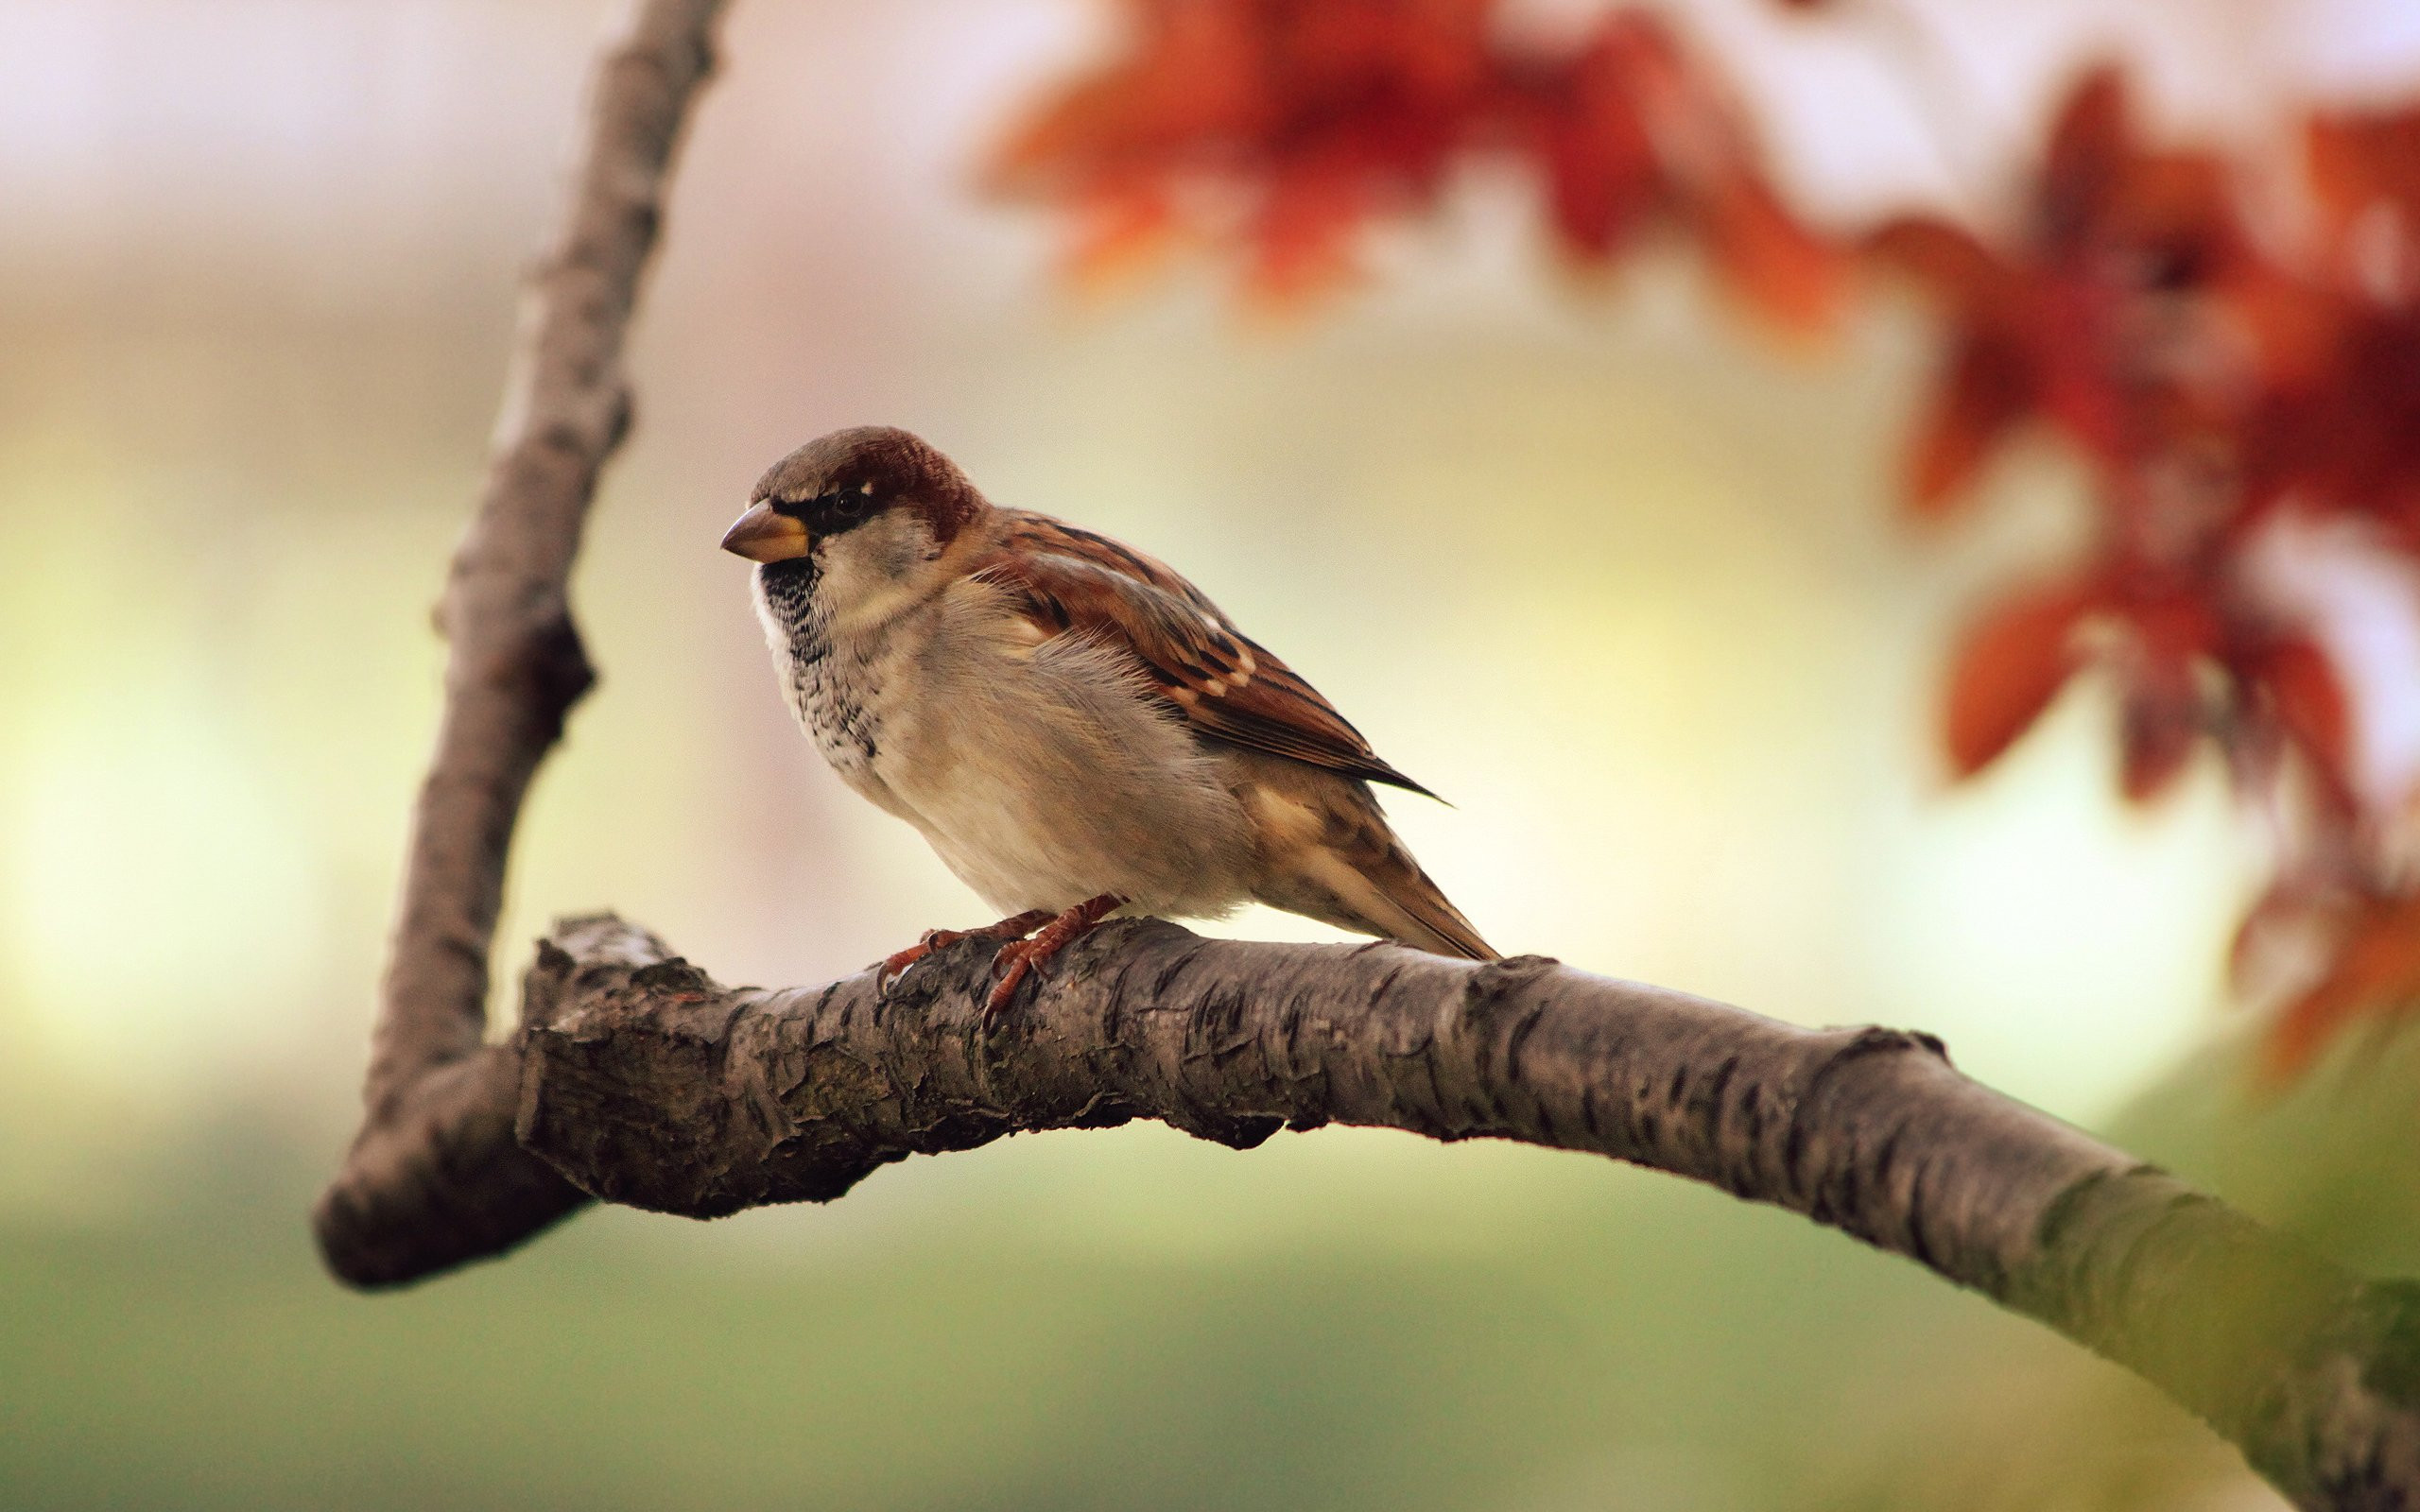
{"points": [[1424, 916], [1359, 876]]}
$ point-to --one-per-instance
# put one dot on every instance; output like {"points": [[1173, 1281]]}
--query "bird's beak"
{"points": [[763, 535]]}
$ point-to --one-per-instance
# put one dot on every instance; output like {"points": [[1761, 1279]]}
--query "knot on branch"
{"points": [[1874, 1038], [645, 1082], [546, 670]]}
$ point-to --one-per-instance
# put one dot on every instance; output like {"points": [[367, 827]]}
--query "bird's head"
{"points": [[869, 510]]}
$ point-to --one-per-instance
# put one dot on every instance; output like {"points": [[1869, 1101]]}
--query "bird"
{"points": [[1077, 730]]}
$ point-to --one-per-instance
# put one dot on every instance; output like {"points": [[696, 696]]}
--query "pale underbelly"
{"points": [[1047, 814]]}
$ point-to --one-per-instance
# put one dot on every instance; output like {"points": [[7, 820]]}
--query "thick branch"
{"points": [[516, 667], [645, 1082]]}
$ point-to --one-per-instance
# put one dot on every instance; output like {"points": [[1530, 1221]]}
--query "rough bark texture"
{"points": [[637, 1079], [645, 1082], [515, 669]]}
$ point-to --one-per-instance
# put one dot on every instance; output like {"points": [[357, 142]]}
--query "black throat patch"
{"points": [[828, 691], [790, 594]]}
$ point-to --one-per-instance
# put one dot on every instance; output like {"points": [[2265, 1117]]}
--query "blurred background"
{"points": [[1616, 573]]}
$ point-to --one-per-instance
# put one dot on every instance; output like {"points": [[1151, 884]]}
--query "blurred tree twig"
{"points": [[429, 1161], [636, 1079]]}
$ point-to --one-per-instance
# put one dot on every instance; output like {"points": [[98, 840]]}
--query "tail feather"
{"points": [[1349, 868], [1435, 923]]}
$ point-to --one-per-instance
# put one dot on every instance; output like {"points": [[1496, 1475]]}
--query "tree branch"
{"points": [[515, 669], [645, 1082]]}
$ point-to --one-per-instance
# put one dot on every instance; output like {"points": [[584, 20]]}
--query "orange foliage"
{"points": [[2213, 383], [1289, 125], [2013, 662], [2213, 386]]}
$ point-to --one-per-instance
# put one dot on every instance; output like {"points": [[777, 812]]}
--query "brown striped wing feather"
{"points": [[1069, 580]]}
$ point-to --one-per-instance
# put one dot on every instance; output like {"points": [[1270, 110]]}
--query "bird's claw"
{"points": [[896, 966], [1018, 957], [1013, 928], [1012, 967]]}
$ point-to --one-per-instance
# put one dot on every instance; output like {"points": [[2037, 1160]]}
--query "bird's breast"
{"points": [[835, 684], [1042, 774]]}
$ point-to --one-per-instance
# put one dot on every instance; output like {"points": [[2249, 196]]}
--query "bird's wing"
{"points": [[1067, 580]]}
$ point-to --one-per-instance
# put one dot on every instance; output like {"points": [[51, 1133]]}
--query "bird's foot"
{"points": [[1018, 958], [1015, 927]]}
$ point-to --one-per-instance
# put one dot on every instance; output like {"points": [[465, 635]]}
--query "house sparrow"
{"points": [[1075, 729]]}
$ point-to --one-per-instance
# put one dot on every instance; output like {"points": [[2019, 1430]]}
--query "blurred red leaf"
{"points": [[2012, 663], [2376, 967], [1286, 126], [1946, 258], [1579, 118], [2174, 630], [2159, 720], [2359, 158], [2299, 684], [1118, 233], [1712, 181], [1776, 265], [2364, 170], [2081, 319], [1304, 227], [2173, 624], [1990, 389], [2343, 434], [2084, 163]]}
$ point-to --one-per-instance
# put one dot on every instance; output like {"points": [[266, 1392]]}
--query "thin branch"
{"points": [[645, 1082], [516, 667]]}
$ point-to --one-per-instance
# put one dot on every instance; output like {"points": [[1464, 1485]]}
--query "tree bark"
{"points": [[516, 668], [645, 1082], [636, 1079]]}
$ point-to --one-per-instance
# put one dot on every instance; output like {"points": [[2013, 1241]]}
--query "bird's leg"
{"points": [[1016, 926], [1018, 958]]}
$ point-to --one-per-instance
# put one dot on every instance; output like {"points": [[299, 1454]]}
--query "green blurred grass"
{"points": [[1655, 1341]]}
